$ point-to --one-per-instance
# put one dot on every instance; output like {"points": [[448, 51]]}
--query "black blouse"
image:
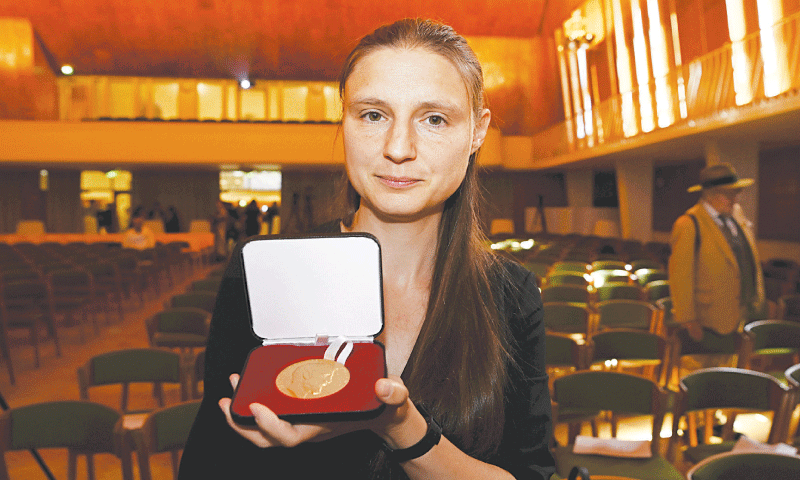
{"points": [[214, 450]]}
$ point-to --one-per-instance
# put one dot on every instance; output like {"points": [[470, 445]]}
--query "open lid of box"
{"points": [[302, 290]]}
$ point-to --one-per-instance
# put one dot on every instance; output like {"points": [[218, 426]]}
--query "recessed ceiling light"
{"points": [[245, 83], [67, 69]]}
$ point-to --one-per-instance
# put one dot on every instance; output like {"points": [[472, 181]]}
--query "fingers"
{"points": [[251, 434], [391, 391], [234, 379]]}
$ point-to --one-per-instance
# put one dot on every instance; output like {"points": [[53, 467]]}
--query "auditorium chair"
{"points": [[621, 394], [733, 390], [80, 427]]}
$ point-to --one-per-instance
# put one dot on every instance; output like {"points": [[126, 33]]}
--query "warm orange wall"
{"points": [[522, 84], [27, 85]]}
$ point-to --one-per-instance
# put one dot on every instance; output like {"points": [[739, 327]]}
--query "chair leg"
{"points": [[35, 341], [125, 396], [158, 392], [573, 430], [72, 465], [614, 424], [691, 426], [176, 462], [9, 365], [144, 464], [90, 473], [708, 426]]}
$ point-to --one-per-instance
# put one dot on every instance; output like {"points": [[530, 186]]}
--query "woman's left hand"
{"points": [[271, 431]]}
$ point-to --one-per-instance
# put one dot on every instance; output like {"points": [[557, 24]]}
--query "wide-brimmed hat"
{"points": [[721, 175]]}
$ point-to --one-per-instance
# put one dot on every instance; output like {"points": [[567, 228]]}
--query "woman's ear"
{"points": [[481, 127]]}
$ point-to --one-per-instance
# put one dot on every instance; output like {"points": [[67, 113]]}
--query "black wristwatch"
{"points": [[430, 440]]}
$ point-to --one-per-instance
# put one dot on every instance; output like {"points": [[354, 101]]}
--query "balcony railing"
{"points": [[760, 67]]}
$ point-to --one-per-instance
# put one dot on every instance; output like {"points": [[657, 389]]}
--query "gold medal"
{"points": [[315, 378]]}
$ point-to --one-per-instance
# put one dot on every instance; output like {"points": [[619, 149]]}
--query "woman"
{"points": [[463, 331]]}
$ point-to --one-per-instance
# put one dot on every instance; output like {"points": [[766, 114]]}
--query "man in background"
{"points": [[715, 274]]}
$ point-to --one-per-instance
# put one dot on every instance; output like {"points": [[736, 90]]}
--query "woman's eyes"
{"points": [[435, 120], [373, 116], [432, 120]]}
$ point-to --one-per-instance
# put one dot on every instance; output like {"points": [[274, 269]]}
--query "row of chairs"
{"points": [[585, 319], [551, 248], [46, 286], [701, 392], [761, 344], [87, 429], [90, 426]]}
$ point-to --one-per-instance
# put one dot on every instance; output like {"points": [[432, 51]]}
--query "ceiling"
{"points": [[270, 39]]}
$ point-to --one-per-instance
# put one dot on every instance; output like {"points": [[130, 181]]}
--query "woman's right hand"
{"points": [[271, 431]]}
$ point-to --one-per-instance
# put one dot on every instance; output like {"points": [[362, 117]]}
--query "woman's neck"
{"points": [[408, 249]]}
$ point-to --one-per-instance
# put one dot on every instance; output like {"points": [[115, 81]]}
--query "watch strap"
{"points": [[431, 438]]}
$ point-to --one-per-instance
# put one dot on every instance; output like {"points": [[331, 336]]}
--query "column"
{"points": [[635, 192]]}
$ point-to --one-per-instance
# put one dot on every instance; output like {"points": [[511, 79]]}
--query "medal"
{"points": [[317, 377]]}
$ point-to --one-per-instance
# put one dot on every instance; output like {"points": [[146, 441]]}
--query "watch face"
{"points": [[315, 378]]}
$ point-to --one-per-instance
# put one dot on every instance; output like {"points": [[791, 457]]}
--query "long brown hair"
{"points": [[458, 368]]}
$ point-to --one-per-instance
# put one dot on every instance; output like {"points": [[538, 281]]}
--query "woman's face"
{"points": [[409, 129]]}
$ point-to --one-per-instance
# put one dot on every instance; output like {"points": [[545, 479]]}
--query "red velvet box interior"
{"points": [[366, 365]]}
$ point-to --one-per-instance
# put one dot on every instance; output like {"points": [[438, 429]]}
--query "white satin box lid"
{"points": [[304, 290]]}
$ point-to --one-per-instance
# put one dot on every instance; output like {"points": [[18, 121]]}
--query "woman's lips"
{"points": [[398, 182]]}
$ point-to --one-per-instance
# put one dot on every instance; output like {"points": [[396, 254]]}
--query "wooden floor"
{"points": [[56, 379]]}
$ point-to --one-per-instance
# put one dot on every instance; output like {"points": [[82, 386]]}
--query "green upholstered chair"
{"points": [[26, 305], [603, 277], [83, 428], [624, 348], [164, 430], [566, 293], [656, 290], [108, 286], [136, 365], [637, 314], [647, 275], [639, 263], [618, 291], [565, 317], [185, 328], [210, 284], [734, 390], [567, 278], [777, 339], [620, 393], [74, 296], [201, 299], [571, 266], [609, 265], [746, 466], [564, 354]]}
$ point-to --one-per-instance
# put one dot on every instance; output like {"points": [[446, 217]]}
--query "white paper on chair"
{"points": [[612, 447], [748, 445]]}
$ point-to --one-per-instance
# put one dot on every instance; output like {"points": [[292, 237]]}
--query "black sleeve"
{"points": [[213, 449], [524, 451]]}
